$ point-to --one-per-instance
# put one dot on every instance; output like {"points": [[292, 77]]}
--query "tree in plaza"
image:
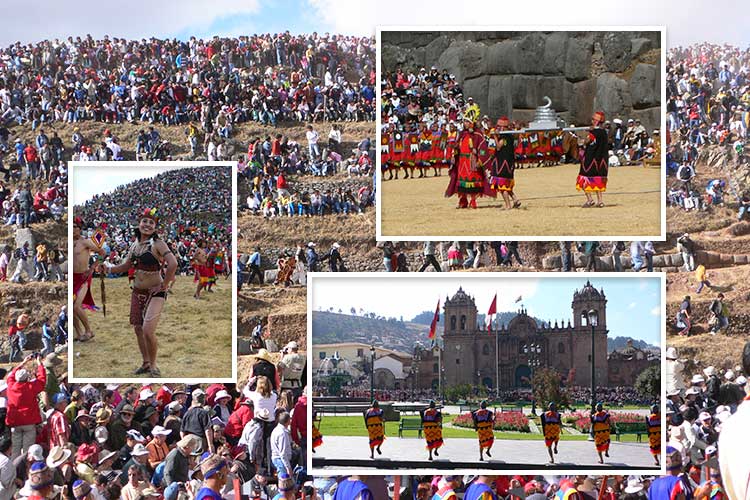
{"points": [[546, 388], [648, 383]]}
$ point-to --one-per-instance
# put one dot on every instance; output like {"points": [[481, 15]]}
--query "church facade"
{"points": [[469, 350]]}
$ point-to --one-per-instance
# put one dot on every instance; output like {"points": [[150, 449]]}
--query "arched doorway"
{"points": [[487, 382], [523, 376]]}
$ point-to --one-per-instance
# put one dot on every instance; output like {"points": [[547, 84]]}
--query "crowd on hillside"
{"points": [[104, 442], [708, 103], [193, 206], [272, 161], [422, 110], [267, 78]]}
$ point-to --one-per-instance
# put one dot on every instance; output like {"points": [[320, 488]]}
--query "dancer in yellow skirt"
{"points": [[653, 423], [317, 437], [551, 429], [484, 421], [601, 426], [432, 423], [375, 427]]}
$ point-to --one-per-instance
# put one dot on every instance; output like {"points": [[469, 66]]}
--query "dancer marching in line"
{"points": [[82, 277], [600, 423], [504, 164], [592, 174], [551, 426], [653, 424], [375, 424], [432, 422], [484, 421], [148, 255]]}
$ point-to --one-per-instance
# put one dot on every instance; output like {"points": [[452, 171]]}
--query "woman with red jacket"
{"points": [[242, 414], [23, 410]]}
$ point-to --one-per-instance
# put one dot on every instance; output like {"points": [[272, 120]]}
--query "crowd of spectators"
{"points": [[708, 103], [266, 78], [103, 442], [272, 162], [416, 100], [193, 206]]}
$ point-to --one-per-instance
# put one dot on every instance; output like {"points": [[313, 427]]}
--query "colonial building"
{"points": [[627, 363], [469, 351]]}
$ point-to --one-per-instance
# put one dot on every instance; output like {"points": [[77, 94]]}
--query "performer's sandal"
{"points": [[155, 372], [588, 204], [516, 204], [145, 368], [600, 205]]}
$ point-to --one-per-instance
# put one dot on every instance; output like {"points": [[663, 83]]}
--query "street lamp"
{"points": [[593, 320], [372, 373]]}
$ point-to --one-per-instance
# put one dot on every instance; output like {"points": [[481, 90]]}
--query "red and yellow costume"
{"points": [[653, 424], [600, 423], [433, 431], [385, 150], [551, 426], [375, 426], [484, 421]]}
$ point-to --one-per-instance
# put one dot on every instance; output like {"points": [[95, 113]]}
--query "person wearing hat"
{"points": [[335, 261], [220, 409], [80, 429], [23, 413], [292, 368], [86, 456], [82, 490], [653, 426], [41, 482], [173, 422], [121, 426], [713, 386], [150, 254], [197, 421], [432, 423], [157, 447], [467, 170], [592, 175], [177, 462], [353, 488], [264, 366], [483, 423], [503, 164], [600, 424], [152, 419], [139, 458], [59, 427], [551, 428], [83, 274], [375, 425]]}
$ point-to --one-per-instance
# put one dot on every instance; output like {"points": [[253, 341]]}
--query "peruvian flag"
{"points": [[491, 313], [433, 325]]}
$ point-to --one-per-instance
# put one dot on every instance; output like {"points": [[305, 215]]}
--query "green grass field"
{"points": [[354, 426], [195, 337]]}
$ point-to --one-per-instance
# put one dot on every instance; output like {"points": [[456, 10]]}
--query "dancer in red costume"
{"points": [[592, 175], [82, 275], [467, 173]]}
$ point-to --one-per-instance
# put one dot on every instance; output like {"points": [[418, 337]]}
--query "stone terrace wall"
{"points": [[508, 73]]}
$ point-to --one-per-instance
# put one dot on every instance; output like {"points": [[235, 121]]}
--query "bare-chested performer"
{"points": [[82, 275], [148, 254], [200, 264]]}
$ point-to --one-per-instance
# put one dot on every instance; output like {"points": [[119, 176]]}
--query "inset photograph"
{"points": [[152, 247], [488, 371], [524, 134]]}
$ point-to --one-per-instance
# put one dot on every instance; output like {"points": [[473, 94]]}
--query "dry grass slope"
{"points": [[195, 337], [551, 206]]}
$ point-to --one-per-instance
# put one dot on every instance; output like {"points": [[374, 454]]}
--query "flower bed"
{"points": [[582, 420], [511, 421]]}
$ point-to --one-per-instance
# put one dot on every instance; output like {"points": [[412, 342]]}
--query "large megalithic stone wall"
{"points": [[509, 73]]}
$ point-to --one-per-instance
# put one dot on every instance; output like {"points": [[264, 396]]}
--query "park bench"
{"points": [[637, 428], [410, 424], [467, 408], [515, 408]]}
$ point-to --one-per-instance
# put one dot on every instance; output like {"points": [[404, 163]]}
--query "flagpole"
{"points": [[497, 360]]}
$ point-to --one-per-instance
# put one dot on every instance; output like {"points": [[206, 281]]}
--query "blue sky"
{"points": [[633, 307], [33, 21], [89, 180]]}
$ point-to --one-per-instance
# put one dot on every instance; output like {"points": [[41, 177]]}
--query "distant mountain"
{"points": [[622, 342]]}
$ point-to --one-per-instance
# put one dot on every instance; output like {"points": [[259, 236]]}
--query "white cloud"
{"points": [[136, 19], [348, 17], [632, 305], [656, 311]]}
